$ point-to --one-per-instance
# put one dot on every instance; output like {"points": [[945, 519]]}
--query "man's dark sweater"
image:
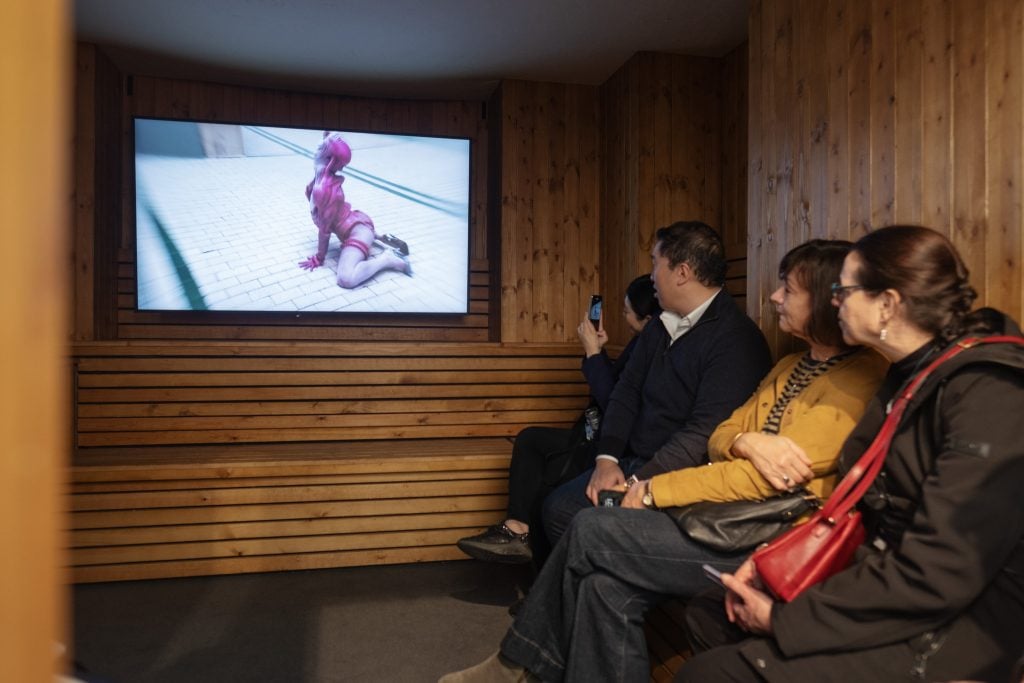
{"points": [[671, 396]]}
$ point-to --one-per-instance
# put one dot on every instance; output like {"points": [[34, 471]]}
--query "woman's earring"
{"points": [[883, 333]]}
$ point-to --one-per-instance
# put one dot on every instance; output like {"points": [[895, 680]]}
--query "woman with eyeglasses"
{"points": [[936, 593]]}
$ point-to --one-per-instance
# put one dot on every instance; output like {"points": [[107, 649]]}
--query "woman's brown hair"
{"points": [[925, 268], [815, 265]]}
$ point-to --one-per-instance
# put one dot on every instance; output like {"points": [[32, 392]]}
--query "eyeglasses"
{"points": [[840, 292]]}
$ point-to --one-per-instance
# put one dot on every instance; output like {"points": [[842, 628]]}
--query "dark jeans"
{"points": [[583, 619], [562, 504]]}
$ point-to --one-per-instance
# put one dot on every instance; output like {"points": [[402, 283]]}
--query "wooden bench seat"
{"points": [[215, 458]]}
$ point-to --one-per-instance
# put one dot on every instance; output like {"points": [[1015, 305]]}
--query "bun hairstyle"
{"points": [[640, 293], [925, 268]]}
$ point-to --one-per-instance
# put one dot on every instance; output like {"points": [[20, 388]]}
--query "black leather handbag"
{"points": [[739, 525]]}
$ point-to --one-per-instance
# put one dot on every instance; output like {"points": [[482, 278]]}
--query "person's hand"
{"points": [[311, 263], [778, 459], [592, 340], [634, 497], [746, 604], [747, 574], [607, 475]]}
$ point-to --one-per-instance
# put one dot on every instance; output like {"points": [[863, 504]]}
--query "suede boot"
{"points": [[494, 669]]}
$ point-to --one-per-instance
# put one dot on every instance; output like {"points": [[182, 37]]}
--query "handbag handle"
{"points": [[855, 484]]}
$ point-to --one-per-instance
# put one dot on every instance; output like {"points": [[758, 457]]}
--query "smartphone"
{"points": [[595, 310], [610, 498], [713, 574]]}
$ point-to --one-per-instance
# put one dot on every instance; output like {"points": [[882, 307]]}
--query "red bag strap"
{"points": [[860, 477]]}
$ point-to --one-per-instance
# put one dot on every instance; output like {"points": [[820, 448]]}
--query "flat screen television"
{"points": [[235, 217]]}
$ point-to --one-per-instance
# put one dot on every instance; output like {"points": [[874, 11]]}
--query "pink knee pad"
{"points": [[352, 242]]}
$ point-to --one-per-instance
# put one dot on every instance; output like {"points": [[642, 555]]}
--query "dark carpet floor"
{"points": [[390, 623]]}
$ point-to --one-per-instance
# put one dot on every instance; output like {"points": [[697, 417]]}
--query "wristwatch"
{"points": [[648, 499]]}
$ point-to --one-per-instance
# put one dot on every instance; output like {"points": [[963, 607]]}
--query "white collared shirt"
{"points": [[677, 325]]}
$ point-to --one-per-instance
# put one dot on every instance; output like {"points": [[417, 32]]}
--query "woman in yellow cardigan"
{"points": [[750, 463], [583, 618]]}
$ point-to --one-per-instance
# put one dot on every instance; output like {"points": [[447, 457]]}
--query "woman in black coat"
{"points": [[936, 593]]}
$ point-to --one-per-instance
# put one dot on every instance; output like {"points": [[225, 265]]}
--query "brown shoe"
{"points": [[494, 669]]}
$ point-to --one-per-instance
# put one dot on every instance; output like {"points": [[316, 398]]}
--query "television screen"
{"points": [[292, 220]]}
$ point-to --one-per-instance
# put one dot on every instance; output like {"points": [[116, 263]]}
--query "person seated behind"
{"points": [[936, 592], [686, 374], [614, 564], [543, 457]]}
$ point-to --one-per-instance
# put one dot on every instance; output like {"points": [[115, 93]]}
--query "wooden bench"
{"points": [[219, 458]]}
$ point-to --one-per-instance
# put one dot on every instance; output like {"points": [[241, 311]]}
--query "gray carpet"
{"points": [[391, 623]]}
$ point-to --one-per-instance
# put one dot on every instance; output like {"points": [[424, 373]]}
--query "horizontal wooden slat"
{"points": [[295, 480], [231, 349], [282, 422], [269, 546], [111, 519], [211, 461], [282, 435], [265, 364], [405, 405], [304, 379], [265, 563], [280, 494], [85, 538], [205, 394]]}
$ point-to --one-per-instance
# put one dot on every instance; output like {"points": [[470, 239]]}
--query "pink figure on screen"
{"points": [[332, 215]]}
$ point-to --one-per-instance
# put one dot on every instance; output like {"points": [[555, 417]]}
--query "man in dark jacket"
{"points": [[688, 372]]}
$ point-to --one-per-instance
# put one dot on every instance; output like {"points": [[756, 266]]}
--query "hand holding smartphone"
{"points": [[594, 314], [713, 574], [609, 498]]}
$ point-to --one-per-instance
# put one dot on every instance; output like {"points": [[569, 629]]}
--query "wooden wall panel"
{"points": [[662, 137], [921, 103], [733, 164], [35, 208], [549, 185]]}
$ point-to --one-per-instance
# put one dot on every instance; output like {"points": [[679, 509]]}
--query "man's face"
{"points": [[664, 278]]}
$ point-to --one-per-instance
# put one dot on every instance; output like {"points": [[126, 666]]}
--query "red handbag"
{"points": [[824, 545]]}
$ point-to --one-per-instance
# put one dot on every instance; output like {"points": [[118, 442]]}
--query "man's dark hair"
{"points": [[697, 245]]}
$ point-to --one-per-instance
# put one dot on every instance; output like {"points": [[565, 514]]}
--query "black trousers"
{"points": [[542, 458]]}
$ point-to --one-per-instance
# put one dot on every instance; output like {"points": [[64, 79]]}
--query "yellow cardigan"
{"points": [[818, 419]]}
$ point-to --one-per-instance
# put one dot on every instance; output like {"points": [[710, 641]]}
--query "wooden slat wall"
{"points": [[137, 394], [211, 458], [549, 208], [895, 111], [665, 158]]}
